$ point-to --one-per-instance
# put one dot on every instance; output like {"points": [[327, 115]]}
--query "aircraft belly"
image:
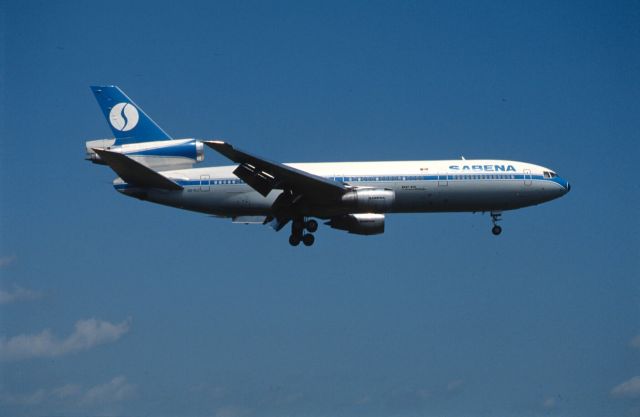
{"points": [[228, 201]]}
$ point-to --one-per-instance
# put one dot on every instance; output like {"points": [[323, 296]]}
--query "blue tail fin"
{"points": [[127, 121]]}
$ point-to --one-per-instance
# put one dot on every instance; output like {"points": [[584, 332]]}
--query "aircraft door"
{"points": [[442, 180], [205, 183], [527, 177]]}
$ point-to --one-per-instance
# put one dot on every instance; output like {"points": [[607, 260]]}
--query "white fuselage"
{"points": [[419, 186]]}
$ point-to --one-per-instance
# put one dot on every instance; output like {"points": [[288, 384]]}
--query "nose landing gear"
{"points": [[298, 226], [495, 218]]}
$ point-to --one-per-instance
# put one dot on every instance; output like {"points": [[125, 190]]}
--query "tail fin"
{"points": [[129, 123]]}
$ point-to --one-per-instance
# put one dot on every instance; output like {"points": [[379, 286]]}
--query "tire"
{"points": [[311, 226], [294, 240], [496, 230], [308, 239]]}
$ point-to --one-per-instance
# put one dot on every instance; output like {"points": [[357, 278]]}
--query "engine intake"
{"points": [[359, 224]]}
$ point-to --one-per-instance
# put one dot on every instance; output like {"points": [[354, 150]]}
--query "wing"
{"points": [[264, 175]]}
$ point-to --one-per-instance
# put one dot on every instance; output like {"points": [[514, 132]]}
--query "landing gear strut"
{"points": [[298, 226], [495, 218]]}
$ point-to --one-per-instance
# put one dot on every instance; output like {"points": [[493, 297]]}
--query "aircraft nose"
{"points": [[565, 184]]}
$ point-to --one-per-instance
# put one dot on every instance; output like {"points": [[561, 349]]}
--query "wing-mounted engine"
{"points": [[159, 155], [359, 224], [367, 200]]}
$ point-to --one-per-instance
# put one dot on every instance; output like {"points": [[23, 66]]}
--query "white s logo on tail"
{"points": [[123, 116]]}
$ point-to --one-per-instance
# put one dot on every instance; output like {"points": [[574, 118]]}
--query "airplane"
{"points": [[349, 196]]}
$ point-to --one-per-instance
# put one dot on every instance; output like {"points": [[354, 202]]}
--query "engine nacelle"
{"points": [[359, 224], [369, 199], [166, 154]]}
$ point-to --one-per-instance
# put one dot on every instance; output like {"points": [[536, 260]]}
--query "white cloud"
{"points": [[7, 260], [118, 389], [549, 403], [31, 399], [635, 342], [18, 294], [75, 396], [424, 393], [232, 411], [66, 391], [628, 389], [365, 399], [87, 334], [455, 385]]}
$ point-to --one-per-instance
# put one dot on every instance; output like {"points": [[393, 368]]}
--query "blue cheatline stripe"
{"points": [[387, 178]]}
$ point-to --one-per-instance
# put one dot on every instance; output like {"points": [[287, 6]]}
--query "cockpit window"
{"points": [[549, 174]]}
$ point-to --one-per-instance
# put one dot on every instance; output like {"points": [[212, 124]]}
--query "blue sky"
{"points": [[112, 306]]}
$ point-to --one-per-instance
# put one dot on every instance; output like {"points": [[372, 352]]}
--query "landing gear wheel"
{"points": [[308, 239], [294, 240], [311, 226], [496, 230]]}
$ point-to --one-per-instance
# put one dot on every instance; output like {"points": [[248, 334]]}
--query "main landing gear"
{"points": [[495, 218], [298, 227]]}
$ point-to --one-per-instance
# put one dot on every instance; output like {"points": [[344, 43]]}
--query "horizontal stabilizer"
{"points": [[135, 173]]}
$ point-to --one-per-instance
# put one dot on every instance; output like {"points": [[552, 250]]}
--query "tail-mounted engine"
{"points": [[160, 155], [359, 224]]}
